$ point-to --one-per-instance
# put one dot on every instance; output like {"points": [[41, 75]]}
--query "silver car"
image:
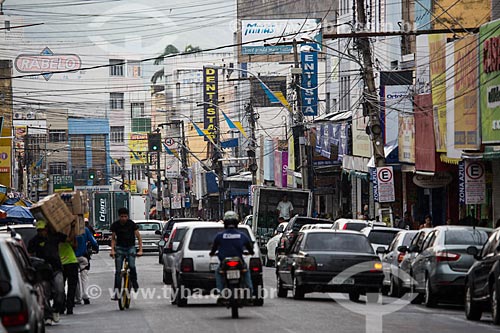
{"points": [[193, 268], [391, 261], [440, 268], [170, 249], [149, 233], [21, 302]]}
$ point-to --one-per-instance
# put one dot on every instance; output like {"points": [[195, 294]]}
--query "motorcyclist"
{"points": [[231, 243]]}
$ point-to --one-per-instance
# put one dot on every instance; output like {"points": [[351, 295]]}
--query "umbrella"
{"points": [[17, 214]]}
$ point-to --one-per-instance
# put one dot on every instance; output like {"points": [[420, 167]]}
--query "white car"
{"points": [[353, 224], [380, 236], [272, 244]]}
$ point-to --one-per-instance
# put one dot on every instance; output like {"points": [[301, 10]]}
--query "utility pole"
{"points": [[253, 146], [370, 102], [299, 127], [184, 163], [159, 201]]}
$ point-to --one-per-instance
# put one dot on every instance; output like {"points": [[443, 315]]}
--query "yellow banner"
{"points": [[138, 146], [5, 159], [437, 49]]}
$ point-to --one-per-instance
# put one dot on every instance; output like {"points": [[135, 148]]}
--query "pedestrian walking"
{"points": [[45, 245], [70, 270], [83, 253]]}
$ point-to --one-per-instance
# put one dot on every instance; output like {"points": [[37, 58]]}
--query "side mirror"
{"points": [[414, 249], [381, 250], [158, 232], [403, 248], [161, 243], [473, 251], [5, 287]]}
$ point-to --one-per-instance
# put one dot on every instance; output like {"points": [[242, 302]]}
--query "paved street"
{"points": [[317, 313]]}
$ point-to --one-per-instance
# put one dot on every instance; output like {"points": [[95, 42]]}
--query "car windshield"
{"points": [[382, 237], [354, 226], [148, 226], [300, 222], [202, 238], [465, 237], [337, 242]]}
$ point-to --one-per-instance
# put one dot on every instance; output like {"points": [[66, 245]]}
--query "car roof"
{"points": [[317, 220], [185, 219], [17, 226], [148, 221], [186, 224], [461, 227], [381, 228], [331, 231], [342, 220]]}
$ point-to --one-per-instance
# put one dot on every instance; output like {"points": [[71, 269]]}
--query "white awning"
{"points": [[334, 117]]}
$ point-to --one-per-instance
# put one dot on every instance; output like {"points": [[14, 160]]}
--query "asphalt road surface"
{"points": [[151, 311]]}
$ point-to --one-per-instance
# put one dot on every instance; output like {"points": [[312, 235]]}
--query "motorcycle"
{"points": [[235, 293]]}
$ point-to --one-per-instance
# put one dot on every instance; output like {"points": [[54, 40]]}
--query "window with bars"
{"points": [[345, 93], [137, 110], [344, 6], [57, 168], [117, 166], [134, 69], [141, 125], [58, 136], [116, 67], [116, 101], [117, 134]]}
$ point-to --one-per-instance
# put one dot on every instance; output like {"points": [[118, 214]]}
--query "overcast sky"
{"points": [[148, 25]]}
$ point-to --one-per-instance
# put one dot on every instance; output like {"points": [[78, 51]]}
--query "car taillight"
{"points": [[187, 265], [447, 256], [344, 227], [17, 319], [255, 265], [232, 263], [307, 264], [401, 256], [98, 234]]}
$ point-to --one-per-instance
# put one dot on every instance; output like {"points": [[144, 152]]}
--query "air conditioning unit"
{"points": [[40, 116], [30, 115], [18, 115]]}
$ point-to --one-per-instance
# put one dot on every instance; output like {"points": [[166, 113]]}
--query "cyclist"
{"points": [[124, 231], [231, 243]]}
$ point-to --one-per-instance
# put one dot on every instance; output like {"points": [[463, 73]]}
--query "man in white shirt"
{"points": [[285, 208]]}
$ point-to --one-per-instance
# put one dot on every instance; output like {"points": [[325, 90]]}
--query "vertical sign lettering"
{"points": [[210, 99], [309, 92]]}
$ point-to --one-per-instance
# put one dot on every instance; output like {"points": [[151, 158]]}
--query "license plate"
{"points": [[233, 275], [213, 267], [337, 280]]}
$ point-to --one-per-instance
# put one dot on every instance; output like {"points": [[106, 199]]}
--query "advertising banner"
{"points": [[437, 47], [210, 99], [138, 146], [425, 152], [361, 143], [19, 137], [309, 83], [406, 138], [466, 93], [264, 36], [62, 183], [396, 101], [489, 82]]}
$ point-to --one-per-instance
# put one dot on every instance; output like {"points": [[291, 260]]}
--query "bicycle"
{"points": [[126, 289]]}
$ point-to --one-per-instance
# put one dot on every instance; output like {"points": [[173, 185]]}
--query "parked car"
{"points": [[316, 226], [149, 230], [21, 296], [167, 229], [293, 227], [482, 285], [380, 235], [26, 231], [170, 248], [272, 244], [391, 261], [410, 253], [248, 220], [353, 224], [440, 267], [194, 269], [318, 256]]}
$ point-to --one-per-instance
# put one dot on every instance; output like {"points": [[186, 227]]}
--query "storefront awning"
{"points": [[334, 117], [449, 160]]}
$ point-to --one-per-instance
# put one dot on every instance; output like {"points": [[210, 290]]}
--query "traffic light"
{"points": [[92, 174], [154, 142]]}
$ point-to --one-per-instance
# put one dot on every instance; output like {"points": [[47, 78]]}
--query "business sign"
{"points": [[309, 83], [437, 47], [475, 183], [266, 36], [395, 97], [138, 146], [373, 174], [19, 138], [210, 99], [489, 82], [47, 62], [406, 138], [438, 180], [385, 180], [5, 159], [62, 183], [466, 93]]}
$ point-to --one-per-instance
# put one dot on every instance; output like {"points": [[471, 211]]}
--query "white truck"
{"points": [[265, 200], [139, 207]]}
